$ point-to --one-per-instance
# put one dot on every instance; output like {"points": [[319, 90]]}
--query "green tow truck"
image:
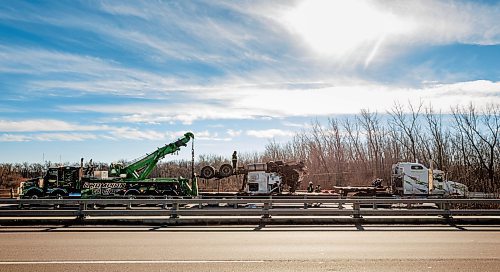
{"points": [[129, 180]]}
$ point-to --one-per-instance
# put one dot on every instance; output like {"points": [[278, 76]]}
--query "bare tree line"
{"points": [[12, 174], [354, 150]]}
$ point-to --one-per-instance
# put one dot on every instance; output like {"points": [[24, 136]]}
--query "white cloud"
{"points": [[14, 138], [444, 22], [16, 59], [64, 137], [269, 133], [216, 126], [298, 125], [53, 128], [47, 137], [45, 125], [234, 133], [118, 8], [88, 74], [185, 113], [132, 133], [56, 130], [210, 136], [229, 102], [182, 31], [129, 133]]}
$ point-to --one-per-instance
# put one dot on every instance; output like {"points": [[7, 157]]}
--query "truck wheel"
{"points": [[58, 194], [33, 194], [207, 172], [225, 170], [131, 194]]}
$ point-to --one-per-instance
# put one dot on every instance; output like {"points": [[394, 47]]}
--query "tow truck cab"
{"points": [[415, 179], [57, 182]]}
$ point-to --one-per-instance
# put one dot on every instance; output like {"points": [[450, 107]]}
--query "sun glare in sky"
{"points": [[337, 28]]}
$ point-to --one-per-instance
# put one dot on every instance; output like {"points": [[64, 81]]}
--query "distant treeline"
{"points": [[354, 150]]}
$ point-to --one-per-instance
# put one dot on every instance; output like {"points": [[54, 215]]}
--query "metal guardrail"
{"points": [[246, 200], [233, 207]]}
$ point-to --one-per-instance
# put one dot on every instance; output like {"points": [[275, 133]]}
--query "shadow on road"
{"points": [[249, 228]]}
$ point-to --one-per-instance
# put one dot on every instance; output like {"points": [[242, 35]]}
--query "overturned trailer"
{"points": [[261, 178]]}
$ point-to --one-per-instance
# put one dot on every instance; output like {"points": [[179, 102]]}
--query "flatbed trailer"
{"points": [[362, 191], [297, 194]]}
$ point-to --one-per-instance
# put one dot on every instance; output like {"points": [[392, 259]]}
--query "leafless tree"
{"points": [[406, 126]]}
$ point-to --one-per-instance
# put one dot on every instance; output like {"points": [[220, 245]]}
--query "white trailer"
{"points": [[409, 178], [262, 183]]}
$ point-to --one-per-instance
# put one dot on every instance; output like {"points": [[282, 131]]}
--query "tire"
{"points": [[225, 170], [58, 194], [131, 194], [207, 172], [33, 194]]}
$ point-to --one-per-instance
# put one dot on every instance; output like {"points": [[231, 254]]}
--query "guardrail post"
{"points": [[235, 205], [11, 192], [356, 210], [374, 203], [446, 210], [265, 211], [270, 202], [57, 206], [165, 205], [341, 207], [305, 204], [200, 205], [175, 208], [81, 211]]}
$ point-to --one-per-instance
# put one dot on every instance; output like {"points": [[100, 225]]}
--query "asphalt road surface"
{"points": [[239, 248]]}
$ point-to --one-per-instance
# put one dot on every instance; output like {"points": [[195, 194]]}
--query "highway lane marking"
{"points": [[128, 262]]}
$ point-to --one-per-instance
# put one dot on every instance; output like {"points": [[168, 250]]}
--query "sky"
{"points": [[112, 80]]}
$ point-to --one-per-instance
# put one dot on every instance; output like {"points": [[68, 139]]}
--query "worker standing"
{"points": [[235, 160], [310, 188]]}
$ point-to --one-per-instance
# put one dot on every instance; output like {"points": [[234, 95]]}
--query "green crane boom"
{"points": [[141, 168]]}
